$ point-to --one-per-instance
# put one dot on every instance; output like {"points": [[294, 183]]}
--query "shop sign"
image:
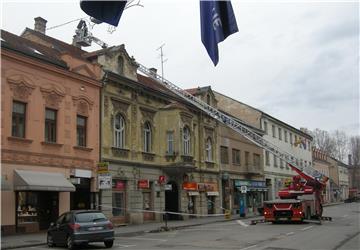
{"points": [[118, 184], [249, 183], [212, 193], [193, 193], [82, 173], [189, 186], [161, 179], [103, 168], [104, 181], [143, 184], [168, 187], [208, 186], [243, 189]]}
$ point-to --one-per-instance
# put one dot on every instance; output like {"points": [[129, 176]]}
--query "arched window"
{"points": [[120, 65], [208, 149], [147, 137], [119, 131], [186, 141]]}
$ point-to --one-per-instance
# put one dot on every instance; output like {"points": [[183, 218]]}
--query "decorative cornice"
{"points": [[83, 104], [53, 97]]}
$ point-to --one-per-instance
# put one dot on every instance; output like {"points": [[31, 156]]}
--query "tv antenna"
{"points": [[162, 59]]}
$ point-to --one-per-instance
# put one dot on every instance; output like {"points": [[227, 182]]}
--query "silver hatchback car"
{"points": [[81, 227]]}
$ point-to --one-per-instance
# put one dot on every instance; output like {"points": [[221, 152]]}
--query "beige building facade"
{"points": [[48, 157]]}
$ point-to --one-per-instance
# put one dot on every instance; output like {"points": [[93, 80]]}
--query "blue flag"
{"points": [[217, 23], [105, 11]]}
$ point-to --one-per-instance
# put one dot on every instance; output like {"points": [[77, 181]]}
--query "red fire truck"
{"points": [[301, 200]]}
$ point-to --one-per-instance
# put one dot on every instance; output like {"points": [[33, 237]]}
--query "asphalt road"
{"points": [[341, 233]]}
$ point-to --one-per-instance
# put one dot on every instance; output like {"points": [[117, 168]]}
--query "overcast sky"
{"points": [[295, 60]]}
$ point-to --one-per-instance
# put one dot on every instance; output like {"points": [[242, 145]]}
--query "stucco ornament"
{"points": [[52, 95], [21, 86], [83, 105]]}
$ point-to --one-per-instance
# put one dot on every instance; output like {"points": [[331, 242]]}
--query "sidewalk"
{"points": [[38, 239]]}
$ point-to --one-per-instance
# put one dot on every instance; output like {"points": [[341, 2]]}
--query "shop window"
{"points": [[119, 131], [170, 142], [236, 156], [186, 141], [147, 137], [208, 150], [18, 119], [224, 155], [50, 125], [81, 131]]}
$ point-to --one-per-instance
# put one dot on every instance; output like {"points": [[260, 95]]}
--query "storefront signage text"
{"points": [[143, 184], [104, 181], [103, 168], [118, 184], [189, 186], [208, 186]]}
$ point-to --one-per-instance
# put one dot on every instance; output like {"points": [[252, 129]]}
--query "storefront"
{"points": [[82, 198], [118, 201], [249, 196], [211, 191], [37, 198], [192, 193]]}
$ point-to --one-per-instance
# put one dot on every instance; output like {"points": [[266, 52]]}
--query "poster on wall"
{"points": [[105, 182]]}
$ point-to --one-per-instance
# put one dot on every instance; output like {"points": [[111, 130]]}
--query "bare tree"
{"points": [[354, 148], [340, 141], [323, 141]]}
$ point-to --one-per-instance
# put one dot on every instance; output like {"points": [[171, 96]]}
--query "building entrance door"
{"points": [[172, 201]]}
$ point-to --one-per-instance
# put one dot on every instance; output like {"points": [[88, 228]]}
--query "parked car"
{"points": [[80, 227]]}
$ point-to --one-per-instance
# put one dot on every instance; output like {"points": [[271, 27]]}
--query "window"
{"points": [[273, 131], [281, 163], [291, 138], [186, 141], [81, 131], [170, 142], [296, 141], [267, 158], [275, 161], [309, 145], [147, 137], [119, 131], [236, 156], [265, 128], [208, 150], [50, 125], [18, 119], [286, 136], [224, 156], [256, 160], [280, 134], [247, 158]]}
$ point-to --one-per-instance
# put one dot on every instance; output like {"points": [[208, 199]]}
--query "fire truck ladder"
{"points": [[308, 171]]}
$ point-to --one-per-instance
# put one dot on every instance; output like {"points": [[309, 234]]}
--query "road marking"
{"points": [[291, 233], [248, 247], [140, 238], [306, 228], [346, 215], [242, 223]]}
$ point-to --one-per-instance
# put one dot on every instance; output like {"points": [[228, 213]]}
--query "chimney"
{"points": [[40, 24], [349, 161]]}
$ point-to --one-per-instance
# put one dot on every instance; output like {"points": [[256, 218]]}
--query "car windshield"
{"points": [[89, 217]]}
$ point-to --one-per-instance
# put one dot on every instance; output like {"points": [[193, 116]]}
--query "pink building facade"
{"points": [[49, 134]]}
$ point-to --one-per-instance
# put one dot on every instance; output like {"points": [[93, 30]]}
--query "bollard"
{"points": [[227, 214]]}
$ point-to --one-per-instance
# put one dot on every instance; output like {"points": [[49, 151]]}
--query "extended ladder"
{"points": [[308, 172]]}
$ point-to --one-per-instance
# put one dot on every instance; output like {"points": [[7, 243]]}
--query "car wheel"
{"points": [[70, 243], [50, 240], [109, 243]]}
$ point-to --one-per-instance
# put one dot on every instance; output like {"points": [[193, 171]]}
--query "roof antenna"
{"points": [[162, 60]]}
